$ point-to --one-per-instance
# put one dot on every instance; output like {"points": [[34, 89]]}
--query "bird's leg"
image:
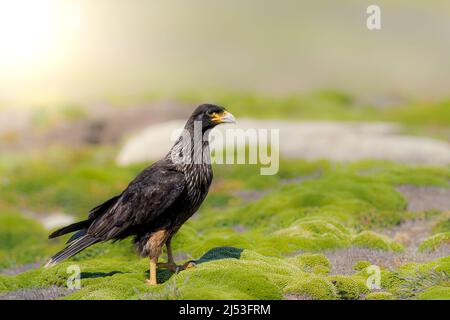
{"points": [[170, 259], [170, 264], [152, 280], [155, 243]]}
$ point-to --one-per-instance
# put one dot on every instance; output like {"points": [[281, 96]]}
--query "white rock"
{"points": [[51, 221], [336, 141]]}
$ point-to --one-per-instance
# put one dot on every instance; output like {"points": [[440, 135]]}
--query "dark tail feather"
{"points": [[77, 235], [72, 249], [70, 228]]}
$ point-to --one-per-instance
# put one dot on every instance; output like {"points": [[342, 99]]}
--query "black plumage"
{"points": [[158, 201]]}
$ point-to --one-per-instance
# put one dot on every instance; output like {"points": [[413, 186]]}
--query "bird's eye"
{"points": [[209, 113]]}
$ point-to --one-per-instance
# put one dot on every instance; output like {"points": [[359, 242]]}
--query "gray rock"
{"points": [[336, 141]]}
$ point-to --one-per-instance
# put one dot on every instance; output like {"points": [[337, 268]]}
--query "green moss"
{"points": [[213, 279], [118, 286], [369, 239], [443, 265], [390, 280], [409, 280], [379, 296], [312, 287], [58, 179], [310, 234], [400, 174], [246, 176], [232, 273], [435, 241], [348, 287], [316, 263], [121, 249], [361, 265], [228, 280], [303, 217], [22, 240], [443, 225], [435, 293]]}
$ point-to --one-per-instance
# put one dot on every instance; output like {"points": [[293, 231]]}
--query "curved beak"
{"points": [[226, 117]]}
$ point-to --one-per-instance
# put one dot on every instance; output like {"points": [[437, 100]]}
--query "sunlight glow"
{"points": [[31, 29]]}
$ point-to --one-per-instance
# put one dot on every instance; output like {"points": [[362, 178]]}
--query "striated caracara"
{"points": [[158, 201]]}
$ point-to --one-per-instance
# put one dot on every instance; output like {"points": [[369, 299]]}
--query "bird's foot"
{"points": [[188, 265], [173, 267]]}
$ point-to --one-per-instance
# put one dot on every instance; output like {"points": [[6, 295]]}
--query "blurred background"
{"points": [[93, 71], [90, 91], [80, 50]]}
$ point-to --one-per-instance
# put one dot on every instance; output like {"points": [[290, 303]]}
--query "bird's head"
{"points": [[211, 115]]}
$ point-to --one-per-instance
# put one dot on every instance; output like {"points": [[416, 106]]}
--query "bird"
{"points": [[154, 205]]}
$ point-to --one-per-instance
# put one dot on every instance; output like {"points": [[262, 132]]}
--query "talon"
{"points": [[188, 265]]}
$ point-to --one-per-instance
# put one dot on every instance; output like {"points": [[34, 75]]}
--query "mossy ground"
{"points": [[440, 236], [268, 248]]}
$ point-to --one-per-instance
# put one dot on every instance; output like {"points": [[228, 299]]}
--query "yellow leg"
{"points": [[152, 280]]}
